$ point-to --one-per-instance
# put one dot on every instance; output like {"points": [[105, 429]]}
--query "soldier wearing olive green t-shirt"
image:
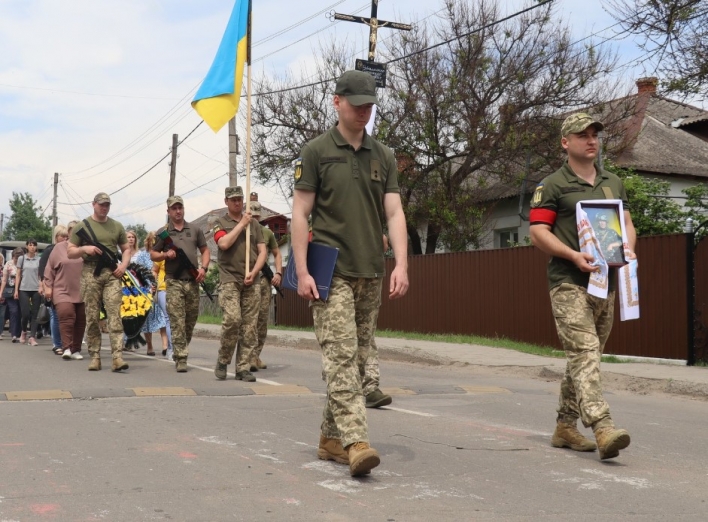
{"points": [[105, 287], [348, 182], [239, 294], [266, 292], [583, 321]]}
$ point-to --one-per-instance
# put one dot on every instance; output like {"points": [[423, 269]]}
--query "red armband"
{"points": [[219, 235], [542, 215]]}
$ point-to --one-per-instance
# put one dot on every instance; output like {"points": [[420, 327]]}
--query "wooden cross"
{"points": [[374, 24]]}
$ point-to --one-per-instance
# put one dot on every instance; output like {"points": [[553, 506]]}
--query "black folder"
{"points": [[321, 260]]}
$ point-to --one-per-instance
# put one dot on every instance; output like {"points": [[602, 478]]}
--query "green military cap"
{"points": [[602, 217], [175, 199], [358, 87], [233, 192], [255, 209], [101, 197], [578, 122]]}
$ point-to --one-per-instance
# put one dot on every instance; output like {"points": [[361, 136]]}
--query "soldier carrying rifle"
{"points": [[97, 239], [182, 282]]}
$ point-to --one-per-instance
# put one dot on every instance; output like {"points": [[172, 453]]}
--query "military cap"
{"points": [[101, 197], [233, 192], [602, 217], [174, 199], [358, 87], [578, 122], [255, 208]]}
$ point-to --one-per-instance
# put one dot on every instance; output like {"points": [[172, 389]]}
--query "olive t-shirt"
{"points": [[232, 262], [190, 239], [269, 239], [111, 234], [350, 185], [558, 195]]}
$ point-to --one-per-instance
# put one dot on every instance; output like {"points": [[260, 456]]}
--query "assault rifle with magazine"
{"points": [[107, 259], [183, 259], [268, 274]]}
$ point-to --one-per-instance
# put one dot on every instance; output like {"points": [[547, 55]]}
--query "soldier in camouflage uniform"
{"points": [[239, 295], [271, 245], [610, 241], [583, 321], [349, 183], [104, 287], [182, 286]]}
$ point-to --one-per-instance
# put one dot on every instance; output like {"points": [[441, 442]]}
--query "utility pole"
{"points": [[55, 218], [173, 165], [2, 224], [233, 152]]}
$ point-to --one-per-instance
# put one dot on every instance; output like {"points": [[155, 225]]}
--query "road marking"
{"points": [[163, 392], [411, 412], [484, 390], [281, 389], [398, 391], [38, 395]]}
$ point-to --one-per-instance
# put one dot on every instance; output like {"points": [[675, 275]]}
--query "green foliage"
{"points": [[26, 221], [212, 278], [653, 212]]}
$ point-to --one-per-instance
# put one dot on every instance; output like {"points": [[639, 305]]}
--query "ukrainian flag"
{"points": [[217, 99]]}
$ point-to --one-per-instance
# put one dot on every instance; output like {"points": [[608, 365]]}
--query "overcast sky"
{"points": [[94, 90]]}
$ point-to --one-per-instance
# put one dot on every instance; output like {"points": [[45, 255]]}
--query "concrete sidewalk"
{"points": [[686, 380]]}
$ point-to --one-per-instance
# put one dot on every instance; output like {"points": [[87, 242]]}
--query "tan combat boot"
{"points": [[95, 364], [331, 449], [568, 436], [181, 365], [610, 440], [362, 458], [260, 364], [118, 363]]}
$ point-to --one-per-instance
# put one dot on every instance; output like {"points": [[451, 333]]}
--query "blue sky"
{"points": [[94, 90]]}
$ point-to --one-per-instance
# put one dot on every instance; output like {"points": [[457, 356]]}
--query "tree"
{"points": [[462, 117], [674, 36], [27, 221]]}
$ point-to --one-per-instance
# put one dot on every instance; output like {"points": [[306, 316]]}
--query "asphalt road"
{"points": [[456, 444]]}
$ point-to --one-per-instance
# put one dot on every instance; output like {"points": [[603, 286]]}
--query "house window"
{"points": [[508, 238]]}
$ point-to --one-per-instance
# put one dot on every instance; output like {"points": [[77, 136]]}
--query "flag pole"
{"points": [[247, 195]]}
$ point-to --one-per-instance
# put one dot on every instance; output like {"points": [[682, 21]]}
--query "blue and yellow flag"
{"points": [[217, 99]]}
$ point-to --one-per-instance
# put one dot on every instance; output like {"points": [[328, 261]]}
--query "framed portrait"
{"points": [[607, 220]]}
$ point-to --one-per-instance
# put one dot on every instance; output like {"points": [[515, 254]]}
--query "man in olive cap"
{"points": [[182, 286], [349, 183], [610, 241], [239, 295], [266, 292], [103, 287], [583, 321]]}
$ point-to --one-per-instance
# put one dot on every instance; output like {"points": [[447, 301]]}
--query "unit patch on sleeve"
{"points": [[298, 169], [537, 195]]}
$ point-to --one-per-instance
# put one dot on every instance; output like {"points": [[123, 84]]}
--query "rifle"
{"points": [[183, 259], [106, 259], [268, 274]]}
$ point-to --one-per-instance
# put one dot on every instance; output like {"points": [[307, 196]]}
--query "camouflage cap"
{"points": [[602, 217], [101, 197], [578, 122], [174, 199], [358, 87], [256, 208], [233, 192]]}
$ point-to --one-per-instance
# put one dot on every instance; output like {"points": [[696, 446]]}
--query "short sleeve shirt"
{"points": [[269, 239], [554, 203], [30, 273], [350, 185], [110, 233], [232, 262], [191, 239]]}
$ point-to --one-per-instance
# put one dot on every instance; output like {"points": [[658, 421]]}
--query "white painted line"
{"points": [[411, 412]]}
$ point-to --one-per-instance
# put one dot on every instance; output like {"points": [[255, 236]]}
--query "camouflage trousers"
{"points": [[239, 323], [183, 309], [583, 323], [344, 326], [372, 374], [263, 313], [96, 290]]}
